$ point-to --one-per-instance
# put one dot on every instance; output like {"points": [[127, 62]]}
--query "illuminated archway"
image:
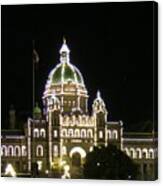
{"points": [[80, 150], [77, 154]]}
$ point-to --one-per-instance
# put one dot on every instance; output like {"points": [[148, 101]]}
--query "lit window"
{"points": [[145, 153], [55, 133], [115, 134], [10, 151], [4, 150], [83, 133], [39, 150], [64, 150], [17, 151], [100, 134], [151, 153], [109, 134], [139, 153], [35, 133], [42, 133], [24, 152], [55, 150], [77, 133], [90, 133], [70, 132], [64, 133]]}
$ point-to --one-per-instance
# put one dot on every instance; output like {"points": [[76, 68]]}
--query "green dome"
{"points": [[36, 112], [65, 72], [37, 109]]}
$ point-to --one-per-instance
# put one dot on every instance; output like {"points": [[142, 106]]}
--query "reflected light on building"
{"points": [[10, 170]]}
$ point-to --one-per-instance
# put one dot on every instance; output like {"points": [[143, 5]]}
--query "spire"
{"points": [[64, 47], [64, 52], [98, 94], [64, 40]]}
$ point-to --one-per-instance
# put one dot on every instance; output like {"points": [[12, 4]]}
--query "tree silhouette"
{"points": [[109, 163]]}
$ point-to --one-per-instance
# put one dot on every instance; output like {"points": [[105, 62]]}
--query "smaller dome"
{"points": [[37, 112], [37, 109]]}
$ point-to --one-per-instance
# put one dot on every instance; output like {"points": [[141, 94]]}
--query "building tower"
{"points": [[100, 114], [65, 95]]}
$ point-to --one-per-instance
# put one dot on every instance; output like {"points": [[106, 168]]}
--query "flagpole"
{"points": [[33, 78]]}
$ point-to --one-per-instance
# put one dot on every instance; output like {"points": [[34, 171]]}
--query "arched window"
{"points": [[70, 133], [17, 151], [109, 134], [24, 152], [35, 133], [90, 133], [42, 133], [139, 153], [115, 134], [132, 153], [151, 153], [10, 150], [145, 153], [64, 150], [4, 150], [39, 150], [64, 132], [83, 133], [77, 133]]}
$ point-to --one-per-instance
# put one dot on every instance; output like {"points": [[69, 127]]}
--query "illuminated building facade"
{"points": [[66, 131]]}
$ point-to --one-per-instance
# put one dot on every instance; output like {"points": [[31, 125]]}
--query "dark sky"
{"points": [[111, 44]]}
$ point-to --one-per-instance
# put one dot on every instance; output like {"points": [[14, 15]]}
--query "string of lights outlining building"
{"points": [[64, 132]]}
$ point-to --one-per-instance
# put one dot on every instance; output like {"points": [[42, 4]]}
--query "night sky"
{"points": [[111, 44]]}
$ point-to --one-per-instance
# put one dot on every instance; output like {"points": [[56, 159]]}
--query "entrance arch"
{"points": [[76, 159], [77, 154]]}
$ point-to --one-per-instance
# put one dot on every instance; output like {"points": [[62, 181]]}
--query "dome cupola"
{"points": [[65, 72], [67, 83]]}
